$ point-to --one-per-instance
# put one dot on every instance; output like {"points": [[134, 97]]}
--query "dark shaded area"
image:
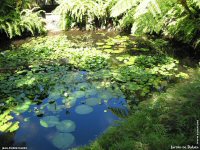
{"points": [[7, 140]]}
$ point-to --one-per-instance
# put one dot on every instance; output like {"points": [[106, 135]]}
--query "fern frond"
{"points": [[122, 5]]}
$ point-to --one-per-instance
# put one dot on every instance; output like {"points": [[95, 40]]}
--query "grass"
{"points": [[168, 119]]}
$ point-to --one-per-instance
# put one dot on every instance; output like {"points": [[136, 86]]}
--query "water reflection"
{"points": [[102, 106]]}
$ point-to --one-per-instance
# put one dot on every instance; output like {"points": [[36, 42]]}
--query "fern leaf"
{"points": [[121, 6]]}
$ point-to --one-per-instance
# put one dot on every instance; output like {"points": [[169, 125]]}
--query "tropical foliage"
{"points": [[15, 19], [174, 19], [85, 13]]}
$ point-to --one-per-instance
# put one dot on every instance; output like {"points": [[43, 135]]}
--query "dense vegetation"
{"points": [[168, 119], [177, 19], [142, 67], [16, 18]]}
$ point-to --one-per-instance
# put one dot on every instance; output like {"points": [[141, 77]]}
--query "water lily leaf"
{"points": [[90, 92], [66, 126], [105, 95], [83, 86], [49, 121], [83, 109], [93, 101], [107, 46], [63, 140], [100, 44], [23, 107], [79, 94], [70, 102], [54, 95], [55, 108], [6, 125], [9, 127]]}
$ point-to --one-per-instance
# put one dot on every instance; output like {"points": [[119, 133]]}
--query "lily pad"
{"points": [[66, 126], [70, 104], [93, 101], [105, 95], [55, 108], [63, 140], [55, 94], [79, 94], [23, 107], [90, 92], [83, 109], [100, 44], [83, 86], [49, 121]]}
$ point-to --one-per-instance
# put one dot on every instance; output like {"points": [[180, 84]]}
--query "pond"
{"points": [[73, 114], [63, 91]]}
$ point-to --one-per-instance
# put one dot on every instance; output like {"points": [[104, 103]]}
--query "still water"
{"points": [[72, 115]]}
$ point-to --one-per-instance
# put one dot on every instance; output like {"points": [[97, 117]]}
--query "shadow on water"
{"points": [[7, 140]]}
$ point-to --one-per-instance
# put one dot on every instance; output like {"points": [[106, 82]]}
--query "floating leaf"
{"points": [[69, 102], [63, 140], [66, 126], [54, 95], [6, 125], [83, 86], [105, 95], [23, 107], [83, 109], [49, 121], [100, 44], [90, 92], [9, 127], [55, 108], [79, 94], [93, 101]]}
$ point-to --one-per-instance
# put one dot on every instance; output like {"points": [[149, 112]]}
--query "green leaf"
{"points": [[83, 109], [63, 140], [93, 101], [66, 126], [49, 121]]}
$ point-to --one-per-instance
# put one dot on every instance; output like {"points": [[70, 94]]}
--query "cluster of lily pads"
{"points": [[49, 67], [53, 49], [45, 89], [120, 44]]}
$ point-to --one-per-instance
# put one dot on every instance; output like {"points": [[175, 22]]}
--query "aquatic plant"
{"points": [[6, 123], [63, 140], [49, 121], [66, 126], [166, 119], [83, 109]]}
